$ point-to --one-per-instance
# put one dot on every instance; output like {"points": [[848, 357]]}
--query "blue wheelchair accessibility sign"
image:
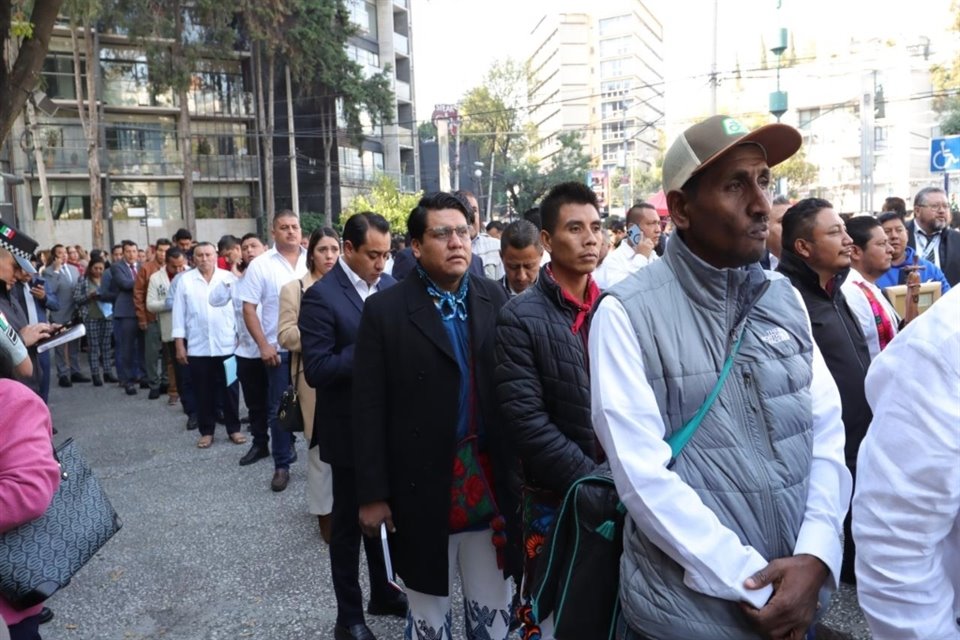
{"points": [[945, 154]]}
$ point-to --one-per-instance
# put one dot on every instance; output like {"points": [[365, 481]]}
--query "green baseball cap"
{"points": [[706, 142]]}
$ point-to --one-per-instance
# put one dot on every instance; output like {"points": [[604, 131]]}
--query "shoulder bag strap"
{"points": [[679, 439]]}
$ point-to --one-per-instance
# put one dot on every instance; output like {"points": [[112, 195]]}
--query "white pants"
{"points": [[486, 594], [319, 484]]}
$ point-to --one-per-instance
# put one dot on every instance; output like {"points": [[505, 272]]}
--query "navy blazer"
{"points": [[121, 285], [329, 319]]}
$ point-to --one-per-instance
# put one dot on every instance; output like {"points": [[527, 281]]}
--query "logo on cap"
{"points": [[733, 128]]}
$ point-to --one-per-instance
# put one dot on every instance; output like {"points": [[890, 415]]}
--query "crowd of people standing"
{"points": [[452, 392]]}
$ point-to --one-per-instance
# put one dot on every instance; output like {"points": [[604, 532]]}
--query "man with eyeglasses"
{"points": [[432, 463], [895, 227], [930, 233]]}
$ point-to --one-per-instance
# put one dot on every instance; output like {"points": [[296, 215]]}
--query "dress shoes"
{"points": [[144, 384], [109, 377], [97, 381], [192, 423], [154, 394], [353, 632], [281, 477], [326, 526], [131, 389], [396, 607], [65, 381], [255, 453], [45, 615], [78, 377]]}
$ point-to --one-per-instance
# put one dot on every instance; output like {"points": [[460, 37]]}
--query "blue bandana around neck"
{"points": [[450, 305]]}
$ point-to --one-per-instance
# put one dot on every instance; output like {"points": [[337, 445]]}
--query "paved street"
{"points": [[207, 551]]}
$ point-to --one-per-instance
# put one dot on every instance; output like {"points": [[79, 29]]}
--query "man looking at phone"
{"points": [[637, 248]]}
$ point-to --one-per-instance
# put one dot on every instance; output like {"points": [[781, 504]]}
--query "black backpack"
{"points": [[578, 574]]}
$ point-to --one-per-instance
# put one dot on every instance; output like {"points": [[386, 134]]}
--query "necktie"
{"points": [[133, 270]]}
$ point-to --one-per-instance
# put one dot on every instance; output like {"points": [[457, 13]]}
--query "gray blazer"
{"points": [[61, 284]]}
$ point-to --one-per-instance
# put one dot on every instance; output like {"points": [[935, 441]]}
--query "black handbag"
{"points": [[40, 557], [289, 416]]}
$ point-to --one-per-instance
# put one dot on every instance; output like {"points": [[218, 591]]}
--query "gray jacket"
{"points": [[750, 460], [61, 284]]}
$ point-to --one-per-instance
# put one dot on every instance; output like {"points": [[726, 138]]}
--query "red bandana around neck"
{"points": [[583, 308]]}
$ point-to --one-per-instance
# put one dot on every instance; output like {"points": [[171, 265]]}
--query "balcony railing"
{"points": [[226, 167], [401, 44], [147, 163], [403, 90]]}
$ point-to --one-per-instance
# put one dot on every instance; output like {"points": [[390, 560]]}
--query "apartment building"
{"points": [[599, 73], [140, 158]]}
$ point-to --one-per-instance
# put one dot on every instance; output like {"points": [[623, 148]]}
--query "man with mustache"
{"points": [[816, 257], [930, 233], [738, 534]]}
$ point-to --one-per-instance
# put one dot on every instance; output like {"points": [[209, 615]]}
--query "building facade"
{"points": [[600, 73]]}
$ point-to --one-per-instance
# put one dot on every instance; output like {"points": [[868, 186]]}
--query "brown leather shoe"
{"points": [[281, 477], [326, 524]]}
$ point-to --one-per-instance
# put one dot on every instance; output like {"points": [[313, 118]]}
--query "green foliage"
{"points": [[946, 80], [386, 199], [494, 109], [950, 125], [310, 221], [570, 163], [798, 172], [427, 131]]}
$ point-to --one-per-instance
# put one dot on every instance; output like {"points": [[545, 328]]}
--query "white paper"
{"points": [[74, 332]]}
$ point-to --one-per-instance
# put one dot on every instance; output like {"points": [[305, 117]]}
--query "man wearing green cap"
{"points": [[737, 534]]}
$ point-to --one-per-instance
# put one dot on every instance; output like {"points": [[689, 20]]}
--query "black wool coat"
{"points": [[405, 407]]}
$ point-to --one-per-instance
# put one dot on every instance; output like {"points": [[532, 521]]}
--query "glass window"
{"points": [[57, 76], [806, 116], [613, 25], [69, 200], [615, 46], [161, 199], [364, 15], [126, 80], [218, 90]]}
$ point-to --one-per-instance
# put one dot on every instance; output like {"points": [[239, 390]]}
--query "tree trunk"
{"points": [[41, 167], [17, 83], [89, 122], [268, 141], [328, 126], [183, 125]]}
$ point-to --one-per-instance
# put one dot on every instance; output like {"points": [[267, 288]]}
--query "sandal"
{"points": [[204, 442], [238, 438]]}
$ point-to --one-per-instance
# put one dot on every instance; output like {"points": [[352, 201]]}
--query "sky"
{"points": [[456, 41]]}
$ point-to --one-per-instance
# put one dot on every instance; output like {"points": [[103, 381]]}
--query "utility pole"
{"points": [[867, 141], [456, 154], [714, 80], [292, 138]]}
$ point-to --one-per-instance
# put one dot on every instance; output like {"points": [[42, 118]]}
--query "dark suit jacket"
{"points": [[329, 319], [404, 263], [405, 408], [949, 251], [121, 284]]}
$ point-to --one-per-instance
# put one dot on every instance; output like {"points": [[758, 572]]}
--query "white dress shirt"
{"points": [[860, 306], [620, 263], [666, 509], [906, 512], [364, 290], [261, 285], [487, 249], [226, 292], [209, 330]]}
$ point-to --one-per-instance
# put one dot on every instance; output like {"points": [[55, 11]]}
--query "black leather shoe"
{"points": [[131, 389], [353, 632], [396, 607], [281, 477], [144, 384], [65, 381], [154, 394], [97, 381], [78, 377], [46, 615], [255, 453], [192, 423], [109, 377]]}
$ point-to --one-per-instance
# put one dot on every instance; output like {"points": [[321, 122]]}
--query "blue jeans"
{"points": [[278, 379]]}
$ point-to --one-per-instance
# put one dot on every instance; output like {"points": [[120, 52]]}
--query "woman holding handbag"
{"points": [[29, 474], [322, 253]]}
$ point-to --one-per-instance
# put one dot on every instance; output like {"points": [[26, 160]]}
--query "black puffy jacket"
{"points": [[543, 387]]}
